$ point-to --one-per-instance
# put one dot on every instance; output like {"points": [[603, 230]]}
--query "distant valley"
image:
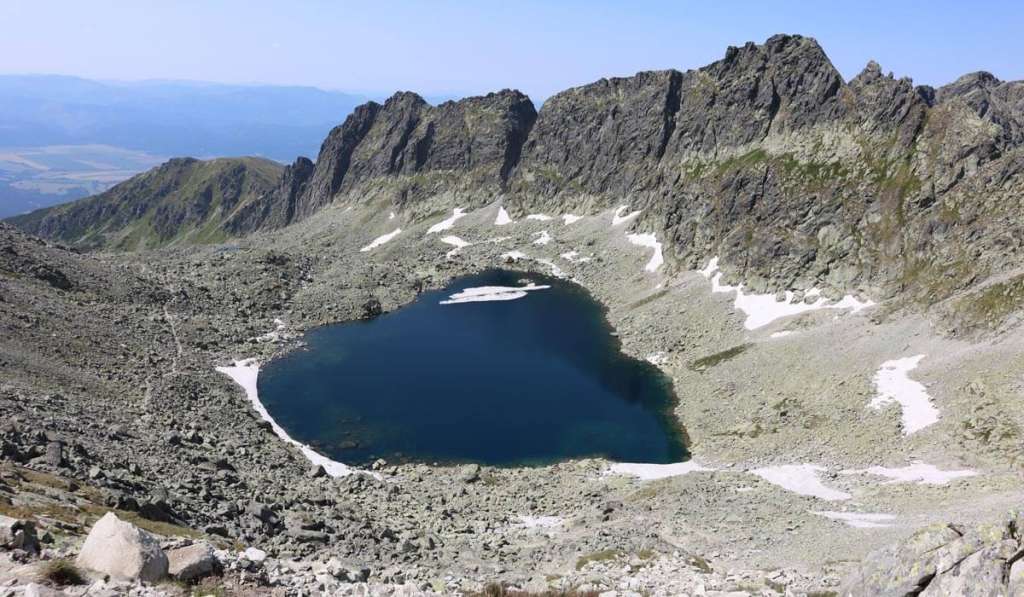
{"points": [[64, 138]]}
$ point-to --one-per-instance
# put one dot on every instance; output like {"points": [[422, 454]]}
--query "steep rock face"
{"points": [[600, 137], [334, 160], [277, 208], [471, 142], [183, 200]]}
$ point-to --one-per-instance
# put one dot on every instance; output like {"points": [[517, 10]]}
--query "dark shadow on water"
{"points": [[523, 382]]}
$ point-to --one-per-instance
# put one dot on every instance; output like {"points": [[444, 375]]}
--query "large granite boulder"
{"points": [[123, 551]]}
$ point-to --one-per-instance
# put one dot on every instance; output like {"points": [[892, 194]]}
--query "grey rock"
{"points": [[191, 563], [18, 534], [469, 473], [903, 568]]}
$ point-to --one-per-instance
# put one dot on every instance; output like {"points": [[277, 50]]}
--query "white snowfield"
{"points": [[762, 309], [447, 223], [650, 241], [543, 238], [570, 219], [514, 255], [618, 218], [380, 240], [860, 520], [539, 217], [917, 472], [245, 373], [502, 218], [651, 472], [802, 479], [492, 293], [894, 385]]}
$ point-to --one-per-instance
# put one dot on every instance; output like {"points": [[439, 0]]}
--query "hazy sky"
{"points": [[448, 47]]}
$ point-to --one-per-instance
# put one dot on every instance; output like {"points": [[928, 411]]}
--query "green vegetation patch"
{"points": [[605, 555]]}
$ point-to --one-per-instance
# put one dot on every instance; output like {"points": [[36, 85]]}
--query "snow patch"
{"points": [[650, 472], [860, 520], [917, 472], [456, 242], [618, 218], [514, 255], [802, 479], [539, 522], [540, 217], [245, 373], [278, 334], [543, 238], [762, 309], [491, 293], [447, 223], [380, 240], [570, 219], [502, 218], [391, 216], [651, 241], [894, 385], [574, 257], [555, 270], [657, 358]]}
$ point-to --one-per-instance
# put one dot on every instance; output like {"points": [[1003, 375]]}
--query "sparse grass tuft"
{"points": [[604, 555], [61, 573]]}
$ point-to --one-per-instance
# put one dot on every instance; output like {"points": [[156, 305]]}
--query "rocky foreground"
{"points": [[828, 271]]}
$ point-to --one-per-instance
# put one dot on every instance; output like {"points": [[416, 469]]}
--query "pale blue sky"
{"points": [[449, 47]]}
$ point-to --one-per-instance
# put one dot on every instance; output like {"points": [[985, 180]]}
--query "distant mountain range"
{"points": [[169, 118], [63, 138]]}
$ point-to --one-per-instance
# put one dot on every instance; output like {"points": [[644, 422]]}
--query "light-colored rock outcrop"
{"points": [[121, 550]]}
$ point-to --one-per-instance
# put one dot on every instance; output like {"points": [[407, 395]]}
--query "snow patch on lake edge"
{"points": [[894, 385], [650, 241], [448, 223], [246, 373], [762, 309], [380, 240], [492, 293]]}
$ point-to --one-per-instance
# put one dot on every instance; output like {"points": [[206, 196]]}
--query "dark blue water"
{"points": [[528, 381]]}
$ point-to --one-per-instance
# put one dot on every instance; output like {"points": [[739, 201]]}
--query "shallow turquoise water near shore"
{"points": [[533, 380]]}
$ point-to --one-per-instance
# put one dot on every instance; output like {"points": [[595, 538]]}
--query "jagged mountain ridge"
{"points": [[767, 158]]}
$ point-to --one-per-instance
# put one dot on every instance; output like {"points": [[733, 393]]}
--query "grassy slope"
{"points": [[181, 201]]}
